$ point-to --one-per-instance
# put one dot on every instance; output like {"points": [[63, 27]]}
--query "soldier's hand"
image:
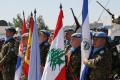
{"points": [[85, 61], [42, 68]]}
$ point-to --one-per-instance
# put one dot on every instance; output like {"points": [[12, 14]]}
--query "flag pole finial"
{"points": [[23, 14], [60, 6], [31, 14], [35, 11]]}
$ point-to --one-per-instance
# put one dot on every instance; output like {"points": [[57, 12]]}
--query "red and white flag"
{"points": [[20, 54], [55, 64]]}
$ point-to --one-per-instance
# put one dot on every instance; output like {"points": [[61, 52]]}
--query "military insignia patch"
{"points": [[114, 53], [86, 45], [101, 52]]}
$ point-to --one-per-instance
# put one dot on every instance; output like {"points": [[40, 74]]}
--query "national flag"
{"points": [[19, 63], [27, 54], [20, 54], [86, 42], [34, 66], [55, 64]]}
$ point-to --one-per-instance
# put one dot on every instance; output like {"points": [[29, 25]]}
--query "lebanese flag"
{"points": [[55, 64]]}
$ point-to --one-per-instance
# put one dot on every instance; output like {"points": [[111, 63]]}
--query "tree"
{"points": [[41, 23], [18, 22], [10, 24]]}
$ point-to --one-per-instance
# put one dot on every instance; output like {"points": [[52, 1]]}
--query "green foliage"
{"points": [[41, 24], [18, 22]]}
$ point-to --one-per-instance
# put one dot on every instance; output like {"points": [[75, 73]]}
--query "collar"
{"points": [[44, 43], [97, 49], [8, 38]]}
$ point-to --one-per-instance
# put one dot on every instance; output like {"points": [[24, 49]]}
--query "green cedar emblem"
{"points": [[55, 58]]}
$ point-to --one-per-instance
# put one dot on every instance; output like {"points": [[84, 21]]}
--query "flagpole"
{"points": [[86, 40], [23, 14]]}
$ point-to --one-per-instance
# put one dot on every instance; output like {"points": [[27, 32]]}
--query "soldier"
{"points": [[8, 55], [74, 58], [67, 34], [51, 38], [44, 47], [115, 59], [100, 63], [114, 51]]}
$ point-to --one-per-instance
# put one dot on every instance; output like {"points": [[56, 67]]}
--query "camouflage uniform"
{"points": [[73, 66], [44, 48], [1, 43], [115, 63], [100, 65], [8, 58]]}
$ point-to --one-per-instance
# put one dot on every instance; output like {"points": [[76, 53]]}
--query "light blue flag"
{"points": [[86, 42], [34, 66]]}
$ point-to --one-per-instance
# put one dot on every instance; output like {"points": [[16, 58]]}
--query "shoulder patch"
{"points": [[114, 53], [46, 44], [101, 52]]}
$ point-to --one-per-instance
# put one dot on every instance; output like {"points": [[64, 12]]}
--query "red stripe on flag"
{"points": [[24, 27], [59, 23], [25, 70], [31, 23], [62, 74]]}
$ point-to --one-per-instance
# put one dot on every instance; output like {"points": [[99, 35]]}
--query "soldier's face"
{"points": [[8, 33], [68, 35], [51, 38], [98, 42], [42, 37], [75, 42], [25, 40]]}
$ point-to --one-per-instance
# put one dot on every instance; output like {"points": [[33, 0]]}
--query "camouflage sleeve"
{"points": [[17, 43], [3, 53], [93, 62], [8, 54]]}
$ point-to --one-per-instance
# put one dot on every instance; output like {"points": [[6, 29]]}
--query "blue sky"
{"points": [[49, 9]]}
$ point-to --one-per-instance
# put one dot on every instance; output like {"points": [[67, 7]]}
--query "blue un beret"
{"points": [[77, 35], [100, 35], [69, 30], [45, 32], [102, 28]]}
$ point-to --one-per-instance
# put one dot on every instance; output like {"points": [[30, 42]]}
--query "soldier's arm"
{"points": [[9, 53], [93, 62], [3, 54]]}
